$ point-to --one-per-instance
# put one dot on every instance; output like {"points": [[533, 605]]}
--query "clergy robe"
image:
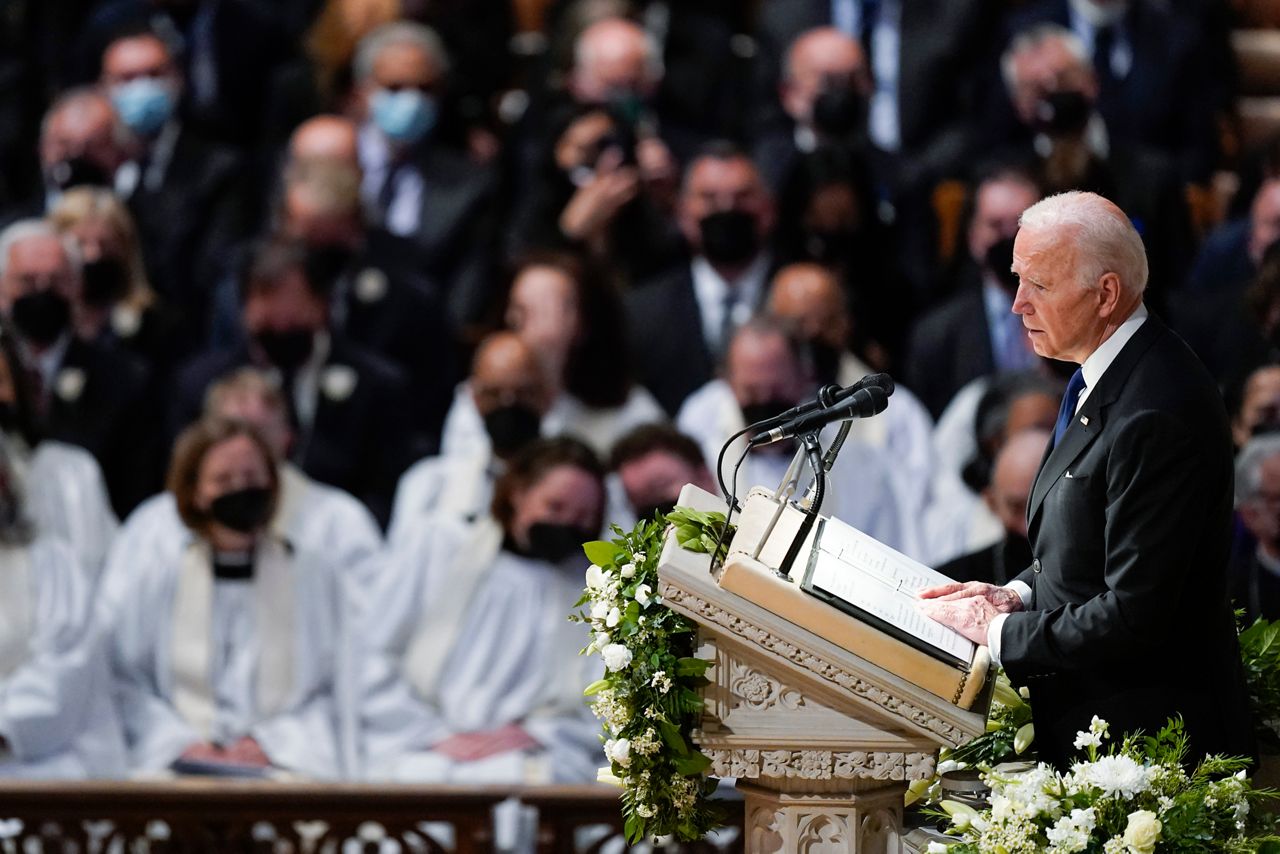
{"points": [[66, 498], [459, 635], [600, 429], [312, 517], [201, 659], [56, 709], [860, 490], [459, 485]]}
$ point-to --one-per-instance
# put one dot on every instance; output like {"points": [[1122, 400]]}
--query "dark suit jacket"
{"points": [[1255, 588], [665, 328], [1130, 525], [950, 346], [360, 443], [113, 416], [996, 564]]}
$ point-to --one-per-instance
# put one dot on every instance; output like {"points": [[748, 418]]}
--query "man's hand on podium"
{"points": [[969, 606]]}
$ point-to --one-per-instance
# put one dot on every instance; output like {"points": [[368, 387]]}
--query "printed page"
{"points": [[883, 582]]}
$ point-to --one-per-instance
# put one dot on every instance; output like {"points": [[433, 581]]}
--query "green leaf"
{"points": [[693, 765], [693, 666], [600, 553], [671, 735], [595, 687]]}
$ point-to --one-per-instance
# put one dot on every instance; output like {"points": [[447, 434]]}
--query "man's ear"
{"points": [[1110, 293]]}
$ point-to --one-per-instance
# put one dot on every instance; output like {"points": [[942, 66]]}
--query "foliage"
{"points": [[1136, 798], [648, 699], [1260, 652]]}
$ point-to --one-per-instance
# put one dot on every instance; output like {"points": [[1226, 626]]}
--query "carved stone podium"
{"points": [[822, 742]]}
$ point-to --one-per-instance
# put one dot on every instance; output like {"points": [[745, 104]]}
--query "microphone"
{"points": [[828, 395], [863, 403]]}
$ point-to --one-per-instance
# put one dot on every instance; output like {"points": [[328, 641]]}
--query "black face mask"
{"points": [[1063, 113], [244, 510], [78, 172], [512, 427], [105, 281], [999, 260], [838, 111], [42, 316], [286, 349], [554, 543], [8, 417], [647, 512], [729, 237], [325, 264], [757, 412]]}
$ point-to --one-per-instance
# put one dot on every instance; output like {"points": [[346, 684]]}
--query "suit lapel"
{"points": [[1090, 421]]}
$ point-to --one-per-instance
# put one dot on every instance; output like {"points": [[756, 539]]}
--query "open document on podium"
{"points": [[865, 578]]}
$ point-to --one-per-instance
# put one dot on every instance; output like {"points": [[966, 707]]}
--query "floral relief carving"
{"points": [[819, 764], [823, 834], [824, 669], [758, 691]]}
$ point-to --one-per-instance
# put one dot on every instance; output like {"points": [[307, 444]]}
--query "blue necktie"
{"points": [[1068, 409]]}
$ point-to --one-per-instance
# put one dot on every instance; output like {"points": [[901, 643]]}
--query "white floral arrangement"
{"points": [[648, 700], [1137, 798]]}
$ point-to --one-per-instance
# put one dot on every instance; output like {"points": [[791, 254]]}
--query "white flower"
{"points": [[338, 382], [613, 617], [938, 848], [638, 557], [70, 384], [1087, 739], [619, 751], [1071, 832], [661, 681], [599, 610], [1143, 832], [602, 640], [628, 570], [642, 594], [947, 765], [606, 775], [616, 656], [1114, 775], [595, 578], [1098, 726]]}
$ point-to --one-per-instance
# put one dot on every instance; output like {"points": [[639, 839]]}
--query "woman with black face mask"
{"points": [[225, 644], [115, 302], [473, 672]]}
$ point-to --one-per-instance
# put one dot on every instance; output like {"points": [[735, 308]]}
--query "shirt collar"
{"points": [[1100, 359]]}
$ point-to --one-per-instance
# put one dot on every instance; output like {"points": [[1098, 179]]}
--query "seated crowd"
{"points": [[330, 329]]}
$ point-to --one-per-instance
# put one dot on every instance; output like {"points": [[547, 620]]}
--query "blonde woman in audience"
{"points": [[573, 322], [470, 671], [57, 719], [225, 653], [115, 302], [311, 515]]}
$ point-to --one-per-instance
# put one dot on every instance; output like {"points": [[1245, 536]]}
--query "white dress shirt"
{"points": [[712, 292]]}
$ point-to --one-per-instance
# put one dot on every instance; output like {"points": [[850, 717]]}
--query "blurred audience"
{"points": [[1256, 573], [653, 463]]}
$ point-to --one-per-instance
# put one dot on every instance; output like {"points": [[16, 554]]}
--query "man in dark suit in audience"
{"points": [[418, 186], [349, 407], [681, 322], [1255, 583], [1123, 612], [84, 393], [973, 333], [186, 192]]}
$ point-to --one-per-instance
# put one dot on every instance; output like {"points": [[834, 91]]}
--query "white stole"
{"points": [[275, 598], [446, 608], [15, 608]]}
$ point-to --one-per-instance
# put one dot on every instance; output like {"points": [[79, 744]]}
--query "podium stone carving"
{"points": [[822, 742]]}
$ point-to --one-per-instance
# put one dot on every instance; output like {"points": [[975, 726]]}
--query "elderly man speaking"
{"points": [[1123, 612]]}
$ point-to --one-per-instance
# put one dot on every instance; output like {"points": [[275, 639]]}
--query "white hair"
{"points": [[1033, 38], [1249, 465], [409, 33], [27, 229], [654, 68], [1105, 239]]}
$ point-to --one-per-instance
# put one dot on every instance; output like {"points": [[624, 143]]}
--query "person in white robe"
{"points": [[311, 516], [225, 651], [763, 376], [810, 297], [470, 668], [572, 320], [57, 716]]}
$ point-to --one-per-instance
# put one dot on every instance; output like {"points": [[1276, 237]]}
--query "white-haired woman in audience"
{"points": [[57, 719], [471, 672], [225, 652]]}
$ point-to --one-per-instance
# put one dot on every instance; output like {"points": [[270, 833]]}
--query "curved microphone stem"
{"points": [[813, 450]]}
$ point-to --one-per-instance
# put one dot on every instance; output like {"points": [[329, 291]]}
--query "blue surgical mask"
{"points": [[405, 116], [144, 104]]}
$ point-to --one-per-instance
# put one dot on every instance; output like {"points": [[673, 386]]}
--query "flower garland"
{"points": [[648, 700]]}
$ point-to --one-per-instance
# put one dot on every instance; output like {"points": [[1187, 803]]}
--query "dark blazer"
{"points": [[360, 443], [1255, 588], [996, 564], [1130, 525], [950, 346], [113, 416], [665, 326]]}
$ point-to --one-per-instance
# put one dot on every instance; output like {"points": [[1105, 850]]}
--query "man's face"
{"points": [[819, 61], [995, 214], [405, 66], [565, 495], [656, 479], [506, 373], [1047, 69], [271, 422], [287, 307], [762, 369], [809, 297], [85, 130], [144, 57], [614, 64], [1264, 220], [36, 264], [1060, 316], [1261, 513], [715, 185], [1260, 409]]}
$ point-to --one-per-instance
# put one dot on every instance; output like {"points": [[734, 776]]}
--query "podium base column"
{"points": [[851, 822]]}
